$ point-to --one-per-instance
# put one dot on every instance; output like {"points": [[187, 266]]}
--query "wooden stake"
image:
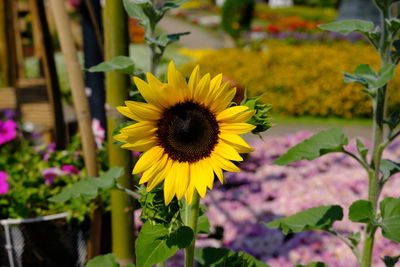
{"points": [[81, 106]]}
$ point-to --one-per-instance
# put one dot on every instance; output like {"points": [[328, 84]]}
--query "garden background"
{"points": [[278, 53]]}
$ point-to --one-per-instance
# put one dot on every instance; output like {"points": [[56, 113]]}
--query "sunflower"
{"points": [[186, 131]]}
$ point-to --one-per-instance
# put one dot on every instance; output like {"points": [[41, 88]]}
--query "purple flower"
{"points": [[8, 131], [98, 132], [50, 150], [3, 183], [50, 174], [9, 113], [70, 169]]}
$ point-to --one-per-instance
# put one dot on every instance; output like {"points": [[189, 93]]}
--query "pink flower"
{"points": [[8, 131], [50, 174], [70, 169], [98, 132], [3, 183]]}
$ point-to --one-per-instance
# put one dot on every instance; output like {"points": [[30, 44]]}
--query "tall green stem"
{"points": [[379, 114], [191, 216], [116, 44]]}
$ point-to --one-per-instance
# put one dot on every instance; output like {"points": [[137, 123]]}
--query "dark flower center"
{"points": [[188, 132]]}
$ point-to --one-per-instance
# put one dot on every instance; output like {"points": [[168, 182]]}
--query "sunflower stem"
{"points": [[191, 216]]}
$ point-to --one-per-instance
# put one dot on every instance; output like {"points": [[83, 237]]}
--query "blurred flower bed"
{"points": [[30, 174], [262, 192], [303, 79]]}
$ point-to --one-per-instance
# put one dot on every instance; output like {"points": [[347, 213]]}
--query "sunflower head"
{"points": [[187, 131]]}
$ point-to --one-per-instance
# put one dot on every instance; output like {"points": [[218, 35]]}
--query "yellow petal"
{"points": [[182, 179], [202, 89], [149, 93], [236, 128], [189, 193], [231, 112], [159, 176], [214, 87], [243, 117], [238, 142], [224, 101], [217, 170], [151, 172], [144, 111], [120, 137], [141, 144], [127, 113], [194, 79], [200, 176], [224, 164], [153, 81], [176, 80], [147, 159], [227, 152], [169, 183], [142, 128]]}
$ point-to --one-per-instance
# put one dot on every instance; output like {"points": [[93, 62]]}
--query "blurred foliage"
{"points": [[302, 79], [29, 190], [237, 17], [307, 13]]}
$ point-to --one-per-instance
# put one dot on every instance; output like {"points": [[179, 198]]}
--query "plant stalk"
{"points": [[116, 44], [191, 216], [379, 114]]}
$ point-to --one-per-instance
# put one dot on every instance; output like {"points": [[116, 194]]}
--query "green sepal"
{"points": [[221, 257], [320, 144], [318, 218], [261, 118]]}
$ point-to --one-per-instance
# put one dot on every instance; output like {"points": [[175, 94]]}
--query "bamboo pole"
{"points": [[116, 44], [81, 108], [4, 67]]}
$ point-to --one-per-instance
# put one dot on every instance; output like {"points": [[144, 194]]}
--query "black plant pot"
{"points": [[44, 244]]}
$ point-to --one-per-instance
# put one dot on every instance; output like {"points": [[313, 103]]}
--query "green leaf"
{"points": [[174, 37], [320, 144], [156, 243], [361, 211], [385, 75], [121, 63], [389, 168], [362, 150], [181, 238], [348, 26], [221, 257], [108, 260], [88, 188], [314, 264], [390, 261], [134, 10], [390, 213], [172, 4], [366, 76], [319, 218]]}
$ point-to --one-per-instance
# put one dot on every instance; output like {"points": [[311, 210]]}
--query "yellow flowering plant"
{"points": [[187, 130]]}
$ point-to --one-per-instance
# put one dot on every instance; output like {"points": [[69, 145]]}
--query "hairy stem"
{"points": [[379, 114], [191, 216]]}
